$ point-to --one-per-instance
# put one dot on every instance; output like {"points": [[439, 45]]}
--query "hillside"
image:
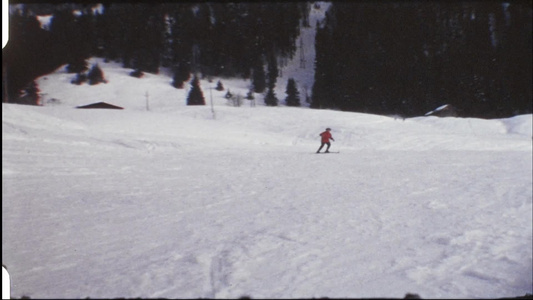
{"points": [[174, 201]]}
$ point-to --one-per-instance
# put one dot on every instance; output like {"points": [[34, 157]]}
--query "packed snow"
{"points": [[166, 200]]}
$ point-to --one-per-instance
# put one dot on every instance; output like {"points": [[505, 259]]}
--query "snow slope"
{"points": [[177, 202]]}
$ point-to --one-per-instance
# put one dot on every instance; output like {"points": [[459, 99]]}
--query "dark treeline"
{"points": [[410, 57], [209, 38], [383, 57]]}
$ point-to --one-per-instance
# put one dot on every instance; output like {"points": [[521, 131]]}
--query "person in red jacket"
{"points": [[326, 136]]}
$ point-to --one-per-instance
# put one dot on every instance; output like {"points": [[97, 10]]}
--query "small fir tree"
{"points": [[250, 95], [272, 72], [137, 73], [196, 96], [30, 94], [182, 73], [293, 96], [176, 81], [79, 79], [219, 87], [259, 79], [95, 75], [78, 66], [228, 95], [270, 98]]}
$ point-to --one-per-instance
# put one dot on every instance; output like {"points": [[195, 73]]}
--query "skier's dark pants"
{"points": [[327, 148]]}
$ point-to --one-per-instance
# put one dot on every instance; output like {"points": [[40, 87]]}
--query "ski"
{"points": [[328, 152]]}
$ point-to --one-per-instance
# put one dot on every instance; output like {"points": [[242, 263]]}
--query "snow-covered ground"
{"points": [[168, 200]]}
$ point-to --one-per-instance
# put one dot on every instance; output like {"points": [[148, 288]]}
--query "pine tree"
{"points": [[64, 36], [30, 94], [95, 75], [22, 58], [228, 95], [79, 79], [196, 96], [137, 73], [72, 36], [293, 96], [304, 8], [146, 37], [78, 65], [320, 93], [270, 98], [181, 74], [258, 79], [82, 42], [250, 95], [219, 87], [176, 81], [272, 71]]}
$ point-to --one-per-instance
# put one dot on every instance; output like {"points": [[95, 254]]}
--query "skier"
{"points": [[326, 136]]}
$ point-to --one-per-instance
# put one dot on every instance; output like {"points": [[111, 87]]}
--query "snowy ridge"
{"points": [[174, 202]]}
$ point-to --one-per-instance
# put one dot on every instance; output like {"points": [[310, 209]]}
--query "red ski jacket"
{"points": [[326, 136]]}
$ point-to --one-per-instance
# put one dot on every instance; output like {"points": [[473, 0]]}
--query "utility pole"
{"points": [[211, 96]]}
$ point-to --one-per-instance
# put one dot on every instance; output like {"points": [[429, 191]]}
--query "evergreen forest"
{"points": [[410, 57], [403, 58]]}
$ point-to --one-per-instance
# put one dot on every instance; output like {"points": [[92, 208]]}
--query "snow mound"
{"points": [[521, 125]]}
